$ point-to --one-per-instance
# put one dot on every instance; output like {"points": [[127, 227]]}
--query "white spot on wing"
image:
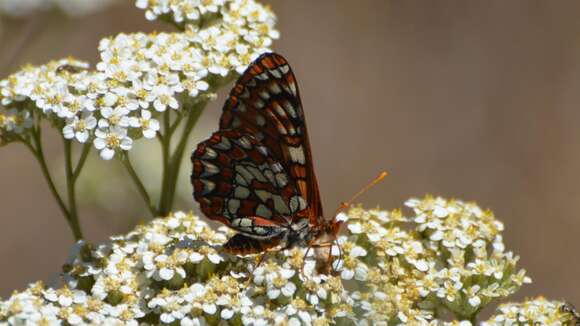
{"points": [[281, 112], [297, 154], [209, 153], [263, 150], [224, 144], [245, 173], [280, 205], [263, 195], [241, 192], [208, 169], [281, 180], [290, 109], [244, 142], [259, 103], [241, 107], [277, 167], [276, 73], [284, 69], [264, 94], [240, 180], [274, 88], [270, 176], [260, 230], [208, 186], [257, 173], [260, 120], [262, 76], [233, 205], [297, 203], [292, 87]]}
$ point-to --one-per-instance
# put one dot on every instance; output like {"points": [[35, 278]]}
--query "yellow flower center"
{"points": [[113, 141]]}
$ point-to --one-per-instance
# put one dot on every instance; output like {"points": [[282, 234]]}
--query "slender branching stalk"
{"points": [[69, 209]]}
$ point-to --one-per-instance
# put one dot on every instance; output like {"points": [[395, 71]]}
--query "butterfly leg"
{"points": [[259, 262], [328, 264], [304, 260]]}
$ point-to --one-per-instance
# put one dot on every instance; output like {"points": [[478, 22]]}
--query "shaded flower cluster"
{"points": [[538, 311], [71, 7], [445, 258], [139, 78]]}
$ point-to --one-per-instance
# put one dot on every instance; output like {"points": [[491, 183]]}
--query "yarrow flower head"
{"points": [[538, 311], [140, 76], [71, 7], [389, 269]]}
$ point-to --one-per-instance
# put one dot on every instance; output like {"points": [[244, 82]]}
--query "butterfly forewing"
{"points": [[266, 103], [255, 173]]}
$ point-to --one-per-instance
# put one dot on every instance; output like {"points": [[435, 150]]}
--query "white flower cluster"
{"points": [[140, 76], [71, 7], [389, 270], [254, 23], [538, 311]]}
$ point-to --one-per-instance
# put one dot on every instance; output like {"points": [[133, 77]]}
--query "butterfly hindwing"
{"points": [[238, 183], [266, 103]]}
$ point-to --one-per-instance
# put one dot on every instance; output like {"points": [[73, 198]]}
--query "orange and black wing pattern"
{"points": [[255, 173], [265, 102]]}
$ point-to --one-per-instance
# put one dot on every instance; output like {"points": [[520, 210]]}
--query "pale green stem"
{"points": [[70, 187], [82, 160], [177, 157], [140, 187], [165, 151], [37, 151]]}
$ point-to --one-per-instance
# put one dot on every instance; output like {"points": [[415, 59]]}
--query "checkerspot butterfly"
{"points": [[255, 173]]}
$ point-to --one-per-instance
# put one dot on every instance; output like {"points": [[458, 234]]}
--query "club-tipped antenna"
{"points": [[345, 205]]}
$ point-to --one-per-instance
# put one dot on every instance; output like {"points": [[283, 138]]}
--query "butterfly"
{"points": [[255, 174]]}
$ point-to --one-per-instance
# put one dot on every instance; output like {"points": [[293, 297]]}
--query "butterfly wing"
{"points": [[266, 103], [237, 182]]}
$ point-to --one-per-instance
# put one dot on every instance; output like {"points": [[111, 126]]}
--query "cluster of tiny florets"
{"points": [[538, 311], [71, 7], [139, 78], [387, 268]]}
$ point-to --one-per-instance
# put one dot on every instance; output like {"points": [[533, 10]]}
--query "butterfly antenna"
{"points": [[345, 205]]}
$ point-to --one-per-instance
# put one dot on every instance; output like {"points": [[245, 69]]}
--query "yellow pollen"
{"points": [[113, 141], [144, 123]]}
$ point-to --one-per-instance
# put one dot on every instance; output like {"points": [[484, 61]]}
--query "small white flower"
{"points": [[148, 125], [80, 128], [110, 140]]}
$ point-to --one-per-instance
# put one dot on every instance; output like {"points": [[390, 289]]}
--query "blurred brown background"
{"points": [[476, 100]]}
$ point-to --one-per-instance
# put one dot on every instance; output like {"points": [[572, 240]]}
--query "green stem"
{"points": [[175, 124], [70, 187], [165, 150], [82, 161], [35, 147], [177, 157], [140, 187]]}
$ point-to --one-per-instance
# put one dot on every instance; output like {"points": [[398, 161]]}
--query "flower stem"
{"points": [[35, 147], [177, 156], [70, 187], [82, 160], [165, 151], [140, 187]]}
